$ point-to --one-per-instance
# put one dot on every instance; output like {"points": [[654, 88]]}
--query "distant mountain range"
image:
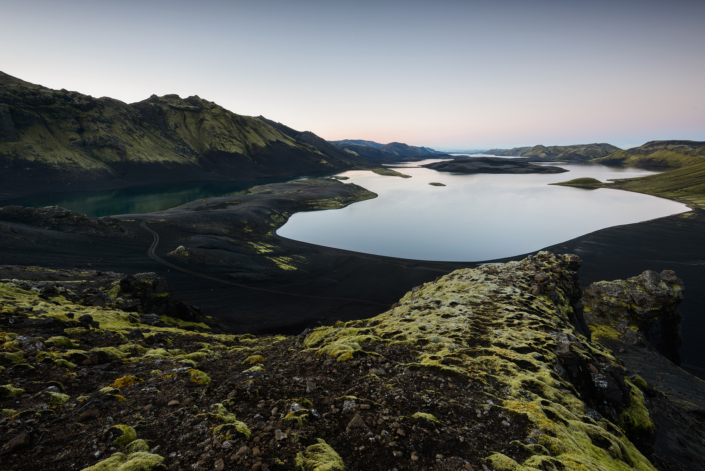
{"points": [[375, 150], [658, 154], [572, 152]]}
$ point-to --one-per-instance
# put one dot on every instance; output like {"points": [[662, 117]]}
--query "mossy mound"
{"points": [[582, 183], [121, 435], [436, 184], [510, 327], [388, 172], [139, 461], [319, 457]]}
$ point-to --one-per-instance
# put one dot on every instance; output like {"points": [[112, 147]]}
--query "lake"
{"points": [[474, 217], [138, 200]]}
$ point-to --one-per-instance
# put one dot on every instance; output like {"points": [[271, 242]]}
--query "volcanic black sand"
{"points": [[234, 266]]}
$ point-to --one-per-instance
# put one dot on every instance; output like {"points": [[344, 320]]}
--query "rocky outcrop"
{"points": [[470, 165], [64, 220], [637, 311], [483, 368], [145, 297]]}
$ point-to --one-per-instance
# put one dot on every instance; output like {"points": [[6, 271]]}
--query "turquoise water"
{"points": [[474, 217], [135, 200]]}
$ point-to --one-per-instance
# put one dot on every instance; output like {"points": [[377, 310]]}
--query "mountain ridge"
{"points": [[54, 140], [571, 152]]}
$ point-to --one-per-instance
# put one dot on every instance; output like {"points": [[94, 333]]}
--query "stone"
{"points": [[20, 441], [174, 403], [414, 456], [219, 465], [356, 422], [310, 386], [244, 450], [279, 435]]}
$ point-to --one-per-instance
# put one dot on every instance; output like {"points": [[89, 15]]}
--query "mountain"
{"points": [[572, 152], [367, 152], [658, 154], [393, 149], [54, 140], [359, 142], [405, 150]]}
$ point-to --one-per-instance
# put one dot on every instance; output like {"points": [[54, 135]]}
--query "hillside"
{"points": [[359, 142], [571, 152], [486, 368], [393, 150], [658, 155], [57, 140]]}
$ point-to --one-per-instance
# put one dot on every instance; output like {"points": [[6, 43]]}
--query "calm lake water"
{"points": [[135, 200], [474, 217]]}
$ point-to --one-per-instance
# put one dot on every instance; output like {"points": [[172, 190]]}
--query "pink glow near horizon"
{"points": [[439, 74]]}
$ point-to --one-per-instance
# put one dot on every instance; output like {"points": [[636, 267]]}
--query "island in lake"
{"points": [[491, 165]]}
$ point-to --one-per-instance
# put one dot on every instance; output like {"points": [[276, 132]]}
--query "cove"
{"points": [[139, 200], [474, 217]]}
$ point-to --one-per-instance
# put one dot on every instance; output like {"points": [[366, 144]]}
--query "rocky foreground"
{"points": [[492, 368]]}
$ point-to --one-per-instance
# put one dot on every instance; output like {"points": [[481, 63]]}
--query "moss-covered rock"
{"points": [[57, 399], [198, 377], [121, 435], [319, 457], [60, 341], [517, 329], [139, 461], [642, 309], [8, 390]]}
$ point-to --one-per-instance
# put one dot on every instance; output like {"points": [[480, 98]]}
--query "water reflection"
{"points": [[474, 217]]}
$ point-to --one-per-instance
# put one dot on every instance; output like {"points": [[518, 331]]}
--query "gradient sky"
{"points": [[446, 74]]}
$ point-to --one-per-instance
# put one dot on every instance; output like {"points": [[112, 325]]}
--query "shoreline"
{"points": [[337, 276]]}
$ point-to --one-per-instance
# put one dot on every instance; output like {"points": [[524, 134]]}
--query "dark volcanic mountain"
{"points": [[395, 150], [366, 152], [359, 142], [572, 152], [491, 165], [54, 140]]}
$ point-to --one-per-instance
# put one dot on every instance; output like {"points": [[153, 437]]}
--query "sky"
{"points": [[456, 74]]}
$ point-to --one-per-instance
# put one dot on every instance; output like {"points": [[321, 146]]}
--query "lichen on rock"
{"points": [[641, 309]]}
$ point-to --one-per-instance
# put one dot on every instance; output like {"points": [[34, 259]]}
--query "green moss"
{"points": [[76, 331], [253, 359], [8, 358], [155, 373], [389, 173], [635, 419], [9, 390], [198, 377], [427, 417], [124, 434], [139, 461], [137, 446], [7, 412], [319, 457], [63, 342], [298, 416], [57, 399], [230, 424], [640, 383]]}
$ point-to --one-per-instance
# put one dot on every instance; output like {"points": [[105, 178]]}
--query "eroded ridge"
{"points": [[484, 368]]}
